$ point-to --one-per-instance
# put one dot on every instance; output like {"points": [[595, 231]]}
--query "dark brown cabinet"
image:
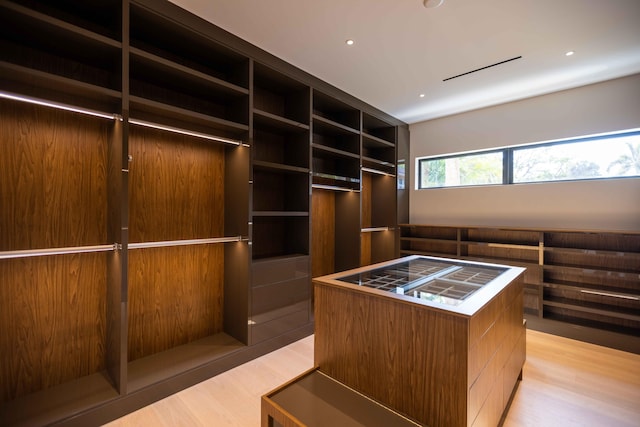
{"points": [[379, 215], [281, 281], [156, 212], [580, 284]]}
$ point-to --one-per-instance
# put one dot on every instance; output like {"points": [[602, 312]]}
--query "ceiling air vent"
{"points": [[482, 68]]}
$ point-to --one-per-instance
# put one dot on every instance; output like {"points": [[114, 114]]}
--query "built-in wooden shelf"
{"points": [[583, 280]]}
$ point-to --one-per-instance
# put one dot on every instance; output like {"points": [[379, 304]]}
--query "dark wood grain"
{"points": [[175, 296], [176, 187], [365, 218], [176, 192], [52, 178], [365, 249], [323, 207], [365, 200], [52, 321]]}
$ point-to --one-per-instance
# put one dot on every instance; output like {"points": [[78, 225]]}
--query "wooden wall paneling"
{"points": [[365, 220], [52, 178], [366, 200], [236, 191], [53, 193], [175, 296], [176, 187], [365, 249], [323, 225], [383, 201], [52, 321], [176, 192], [347, 230], [383, 245]]}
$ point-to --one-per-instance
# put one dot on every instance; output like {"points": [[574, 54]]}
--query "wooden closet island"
{"points": [[440, 341]]}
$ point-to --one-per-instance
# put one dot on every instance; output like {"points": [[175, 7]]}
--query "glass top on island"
{"points": [[445, 281]]}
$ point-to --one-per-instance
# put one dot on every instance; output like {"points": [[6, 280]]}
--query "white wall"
{"points": [[612, 204]]}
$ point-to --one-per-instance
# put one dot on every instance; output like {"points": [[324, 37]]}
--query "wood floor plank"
{"points": [[566, 383]]}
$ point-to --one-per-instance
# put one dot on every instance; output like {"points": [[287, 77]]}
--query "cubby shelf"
{"points": [[57, 60], [576, 279], [274, 121]]}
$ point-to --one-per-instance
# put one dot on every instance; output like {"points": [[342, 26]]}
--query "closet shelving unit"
{"points": [[584, 284], [58, 227], [281, 284], [379, 214], [336, 185], [155, 203]]}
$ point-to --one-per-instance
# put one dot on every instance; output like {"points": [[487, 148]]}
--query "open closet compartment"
{"points": [[280, 284], [336, 185], [379, 187], [60, 103], [188, 192]]}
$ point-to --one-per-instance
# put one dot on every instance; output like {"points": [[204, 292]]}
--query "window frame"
{"points": [[508, 163], [461, 155]]}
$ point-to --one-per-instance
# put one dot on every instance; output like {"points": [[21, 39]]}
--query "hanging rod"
{"points": [[187, 132], [332, 187], [373, 229], [56, 251], [170, 243], [377, 172], [58, 105]]}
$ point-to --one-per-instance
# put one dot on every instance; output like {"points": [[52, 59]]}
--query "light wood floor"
{"points": [[566, 383]]}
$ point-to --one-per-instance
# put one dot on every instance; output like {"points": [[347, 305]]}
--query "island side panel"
{"points": [[407, 356], [496, 354]]}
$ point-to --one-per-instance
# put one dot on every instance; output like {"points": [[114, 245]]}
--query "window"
{"points": [[469, 169], [604, 156], [597, 158]]}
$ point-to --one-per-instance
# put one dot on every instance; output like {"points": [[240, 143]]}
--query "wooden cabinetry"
{"points": [[155, 223], [438, 364], [281, 283], [353, 152], [180, 78], [336, 183], [580, 284], [379, 213]]}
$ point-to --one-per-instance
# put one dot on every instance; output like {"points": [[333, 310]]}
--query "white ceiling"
{"points": [[403, 49]]}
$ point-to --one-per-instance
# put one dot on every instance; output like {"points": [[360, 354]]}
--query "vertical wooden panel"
{"points": [[116, 261], [52, 177], [175, 296], [365, 195], [176, 192], [365, 218], [52, 321], [323, 213], [365, 249]]}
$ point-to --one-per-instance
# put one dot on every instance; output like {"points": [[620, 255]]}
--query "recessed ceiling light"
{"points": [[432, 3], [569, 53], [422, 95], [349, 42]]}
